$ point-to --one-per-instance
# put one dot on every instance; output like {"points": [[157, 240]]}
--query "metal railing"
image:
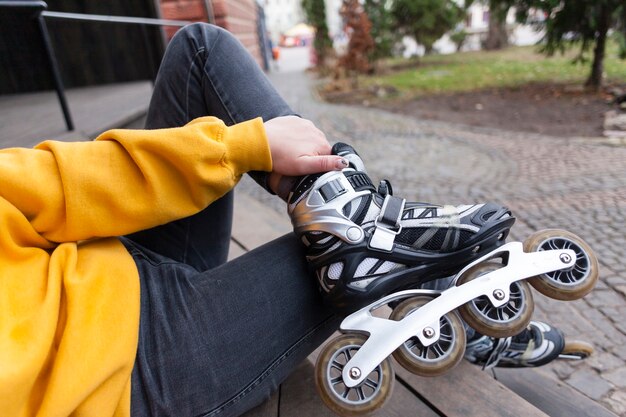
{"points": [[113, 19], [143, 22]]}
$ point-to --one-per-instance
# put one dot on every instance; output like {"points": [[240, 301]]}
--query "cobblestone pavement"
{"points": [[575, 184]]}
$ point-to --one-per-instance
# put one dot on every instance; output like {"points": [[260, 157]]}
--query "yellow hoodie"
{"points": [[69, 291]]}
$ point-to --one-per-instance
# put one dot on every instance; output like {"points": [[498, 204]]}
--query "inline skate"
{"points": [[370, 249], [537, 345]]}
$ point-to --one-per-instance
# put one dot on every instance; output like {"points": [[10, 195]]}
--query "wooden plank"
{"points": [[268, 409], [299, 398], [235, 250], [548, 394], [467, 391], [255, 224]]}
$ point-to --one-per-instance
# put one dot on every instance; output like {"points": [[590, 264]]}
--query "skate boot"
{"points": [[370, 247], [363, 242], [537, 345]]}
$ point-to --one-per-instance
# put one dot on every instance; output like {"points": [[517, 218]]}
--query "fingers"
{"points": [[298, 147], [322, 163]]}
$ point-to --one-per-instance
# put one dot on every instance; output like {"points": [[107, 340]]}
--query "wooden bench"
{"points": [[466, 391]]}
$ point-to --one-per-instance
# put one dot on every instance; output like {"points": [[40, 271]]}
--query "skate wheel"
{"points": [[437, 358], [565, 284], [362, 399], [503, 321], [576, 350]]}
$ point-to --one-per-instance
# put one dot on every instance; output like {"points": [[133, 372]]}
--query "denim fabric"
{"points": [[206, 72], [216, 340], [217, 343]]}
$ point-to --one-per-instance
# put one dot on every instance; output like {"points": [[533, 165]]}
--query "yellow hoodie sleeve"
{"points": [[129, 180]]}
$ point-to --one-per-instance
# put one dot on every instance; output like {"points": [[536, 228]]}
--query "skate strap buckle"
{"points": [[387, 224], [331, 189]]}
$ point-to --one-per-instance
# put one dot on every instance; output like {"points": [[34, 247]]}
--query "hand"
{"points": [[299, 148]]}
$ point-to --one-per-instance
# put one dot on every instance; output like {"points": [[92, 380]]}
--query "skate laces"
{"points": [[519, 346], [497, 352]]}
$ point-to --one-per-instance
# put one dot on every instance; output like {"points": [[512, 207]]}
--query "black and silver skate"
{"points": [[369, 247], [537, 345], [363, 242]]}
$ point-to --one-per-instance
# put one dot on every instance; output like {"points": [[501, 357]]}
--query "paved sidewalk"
{"points": [[575, 184]]}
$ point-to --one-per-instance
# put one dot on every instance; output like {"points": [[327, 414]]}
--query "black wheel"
{"points": [[565, 284], [370, 395], [435, 359], [503, 321]]}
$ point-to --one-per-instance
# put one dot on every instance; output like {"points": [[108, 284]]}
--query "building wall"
{"points": [[237, 16], [192, 10], [240, 17]]}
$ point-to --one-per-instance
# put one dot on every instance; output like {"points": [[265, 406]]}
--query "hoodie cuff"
{"points": [[247, 148]]}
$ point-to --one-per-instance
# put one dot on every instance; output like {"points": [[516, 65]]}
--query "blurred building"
{"points": [[238, 16], [282, 15], [476, 25]]}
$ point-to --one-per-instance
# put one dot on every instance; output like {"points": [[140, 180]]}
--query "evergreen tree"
{"points": [[585, 23], [315, 11], [426, 20], [383, 31]]}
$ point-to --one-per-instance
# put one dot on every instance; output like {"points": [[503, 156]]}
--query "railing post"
{"points": [[58, 82]]}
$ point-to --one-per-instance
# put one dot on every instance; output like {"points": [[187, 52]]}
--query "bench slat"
{"points": [[550, 395], [467, 391], [255, 224], [299, 398]]}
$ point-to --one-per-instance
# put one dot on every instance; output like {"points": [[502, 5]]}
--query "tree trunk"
{"points": [[497, 35], [597, 67]]}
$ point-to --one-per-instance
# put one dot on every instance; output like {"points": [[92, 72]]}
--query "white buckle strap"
{"points": [[387, 224]]}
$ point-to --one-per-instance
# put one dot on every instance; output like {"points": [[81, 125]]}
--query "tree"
{"points": [[497, 34], [315, 11], [361, 43], [577, 22], [426, 20], [382, 31], [458, 38]]}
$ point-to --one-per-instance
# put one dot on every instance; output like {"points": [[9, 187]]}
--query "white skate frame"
{"points": [[387, 335]]}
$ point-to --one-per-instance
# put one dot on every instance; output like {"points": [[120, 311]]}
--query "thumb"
{"points": [[321, 163]]}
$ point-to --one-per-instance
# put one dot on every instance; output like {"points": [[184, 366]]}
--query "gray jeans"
{"points": [[217, 338]]}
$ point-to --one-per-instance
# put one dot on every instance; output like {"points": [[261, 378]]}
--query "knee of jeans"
{"points": [[202, 33]]}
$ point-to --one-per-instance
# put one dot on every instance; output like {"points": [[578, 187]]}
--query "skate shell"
{"points": [[569, 284], [363, 399], [503, 321], [437, 358]]}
